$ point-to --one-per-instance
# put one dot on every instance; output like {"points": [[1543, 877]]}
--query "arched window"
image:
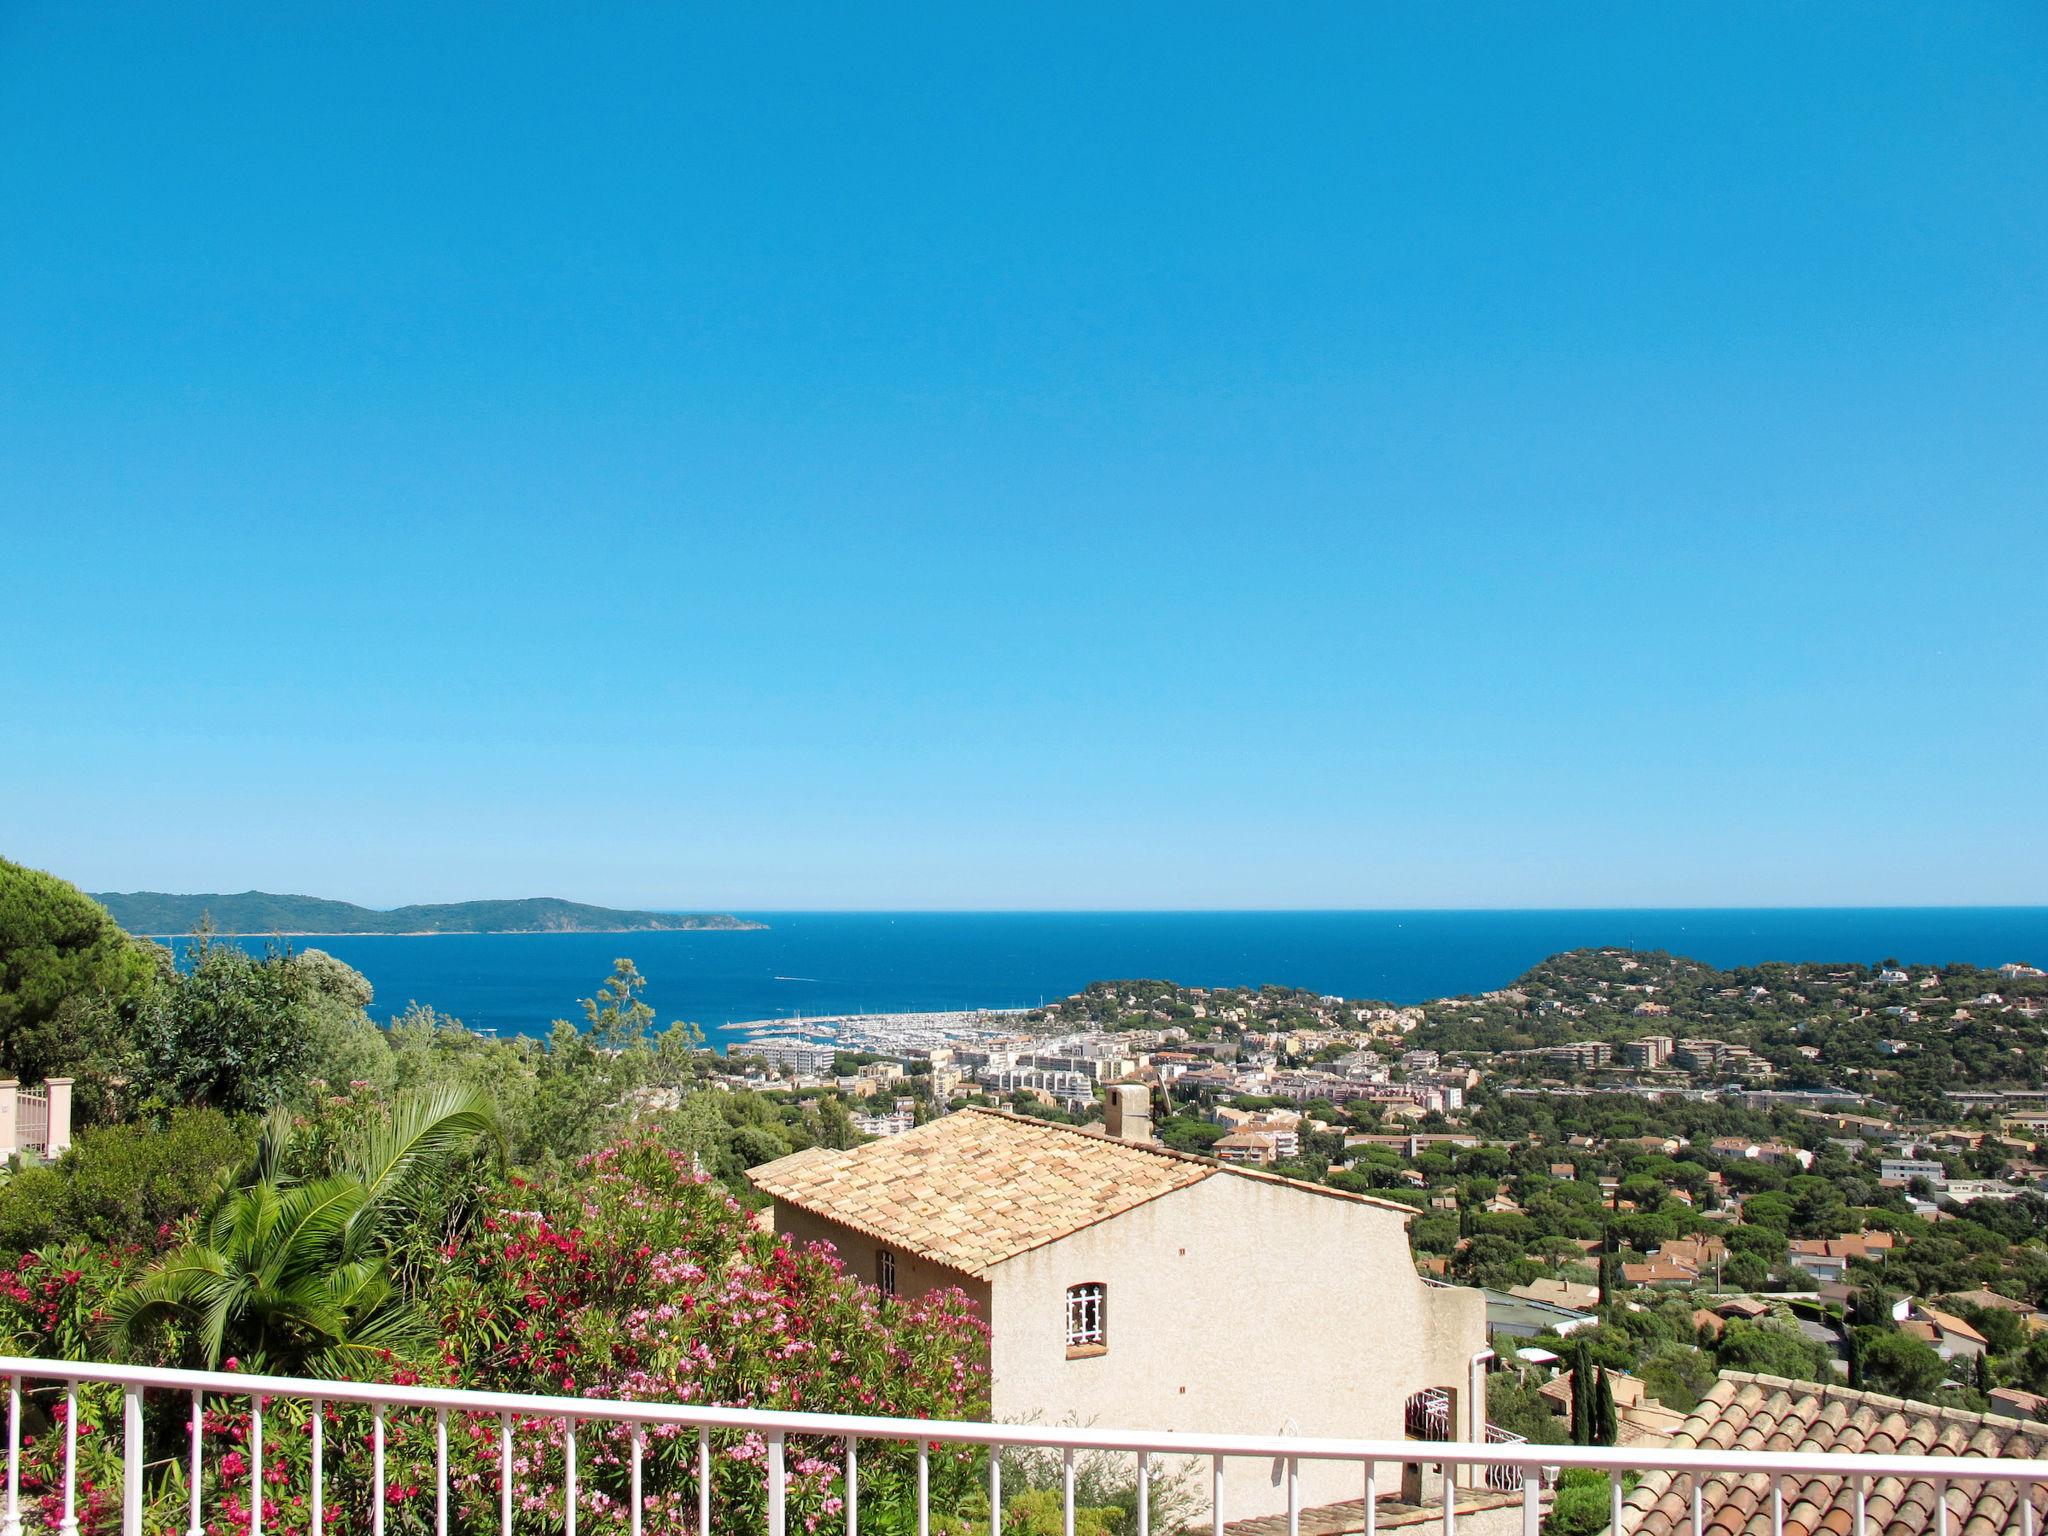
{"points": [[1087, 1319]]}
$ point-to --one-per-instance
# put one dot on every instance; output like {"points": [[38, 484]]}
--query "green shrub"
{"points": [[1582, 1505], [122, 1186]]}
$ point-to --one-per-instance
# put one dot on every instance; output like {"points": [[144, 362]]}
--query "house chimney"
{"points": [[1128, 1113]]}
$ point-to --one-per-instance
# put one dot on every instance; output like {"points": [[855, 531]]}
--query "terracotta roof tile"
{"points": [[975, 1188], [982, 1185], [1759, 1412]]}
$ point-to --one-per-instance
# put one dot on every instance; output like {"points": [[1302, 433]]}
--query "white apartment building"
{"points": [[791, 1053], [1074, 1089], [1905, 1168]]}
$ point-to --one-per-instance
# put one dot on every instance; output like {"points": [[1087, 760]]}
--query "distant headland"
{"points": [[247, 912]]}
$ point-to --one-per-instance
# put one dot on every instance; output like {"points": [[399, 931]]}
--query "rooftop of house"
{"points": [[1744, 1306], [1628, 1390], [1769, 1413], [980, 1186], [1992, 1301], [1948, 1322]]}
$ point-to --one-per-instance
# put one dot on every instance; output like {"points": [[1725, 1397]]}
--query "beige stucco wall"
{"points": [[915, 1276], [1243, 1307]]}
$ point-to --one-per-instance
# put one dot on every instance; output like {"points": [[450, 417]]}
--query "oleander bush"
{"points": [[634, 1277]]}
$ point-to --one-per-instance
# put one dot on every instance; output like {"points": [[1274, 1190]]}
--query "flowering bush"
{"points": [[639, 1280], [645, 1281]]}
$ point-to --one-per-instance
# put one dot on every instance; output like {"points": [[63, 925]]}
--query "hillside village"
{"points": [[1832, 1172]]}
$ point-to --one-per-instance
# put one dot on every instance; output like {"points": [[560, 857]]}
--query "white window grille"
{"points": [[1087, 1316], [885, 1272]]}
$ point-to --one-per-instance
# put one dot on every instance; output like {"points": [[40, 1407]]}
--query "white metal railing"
{"points": [[777, 1433]]}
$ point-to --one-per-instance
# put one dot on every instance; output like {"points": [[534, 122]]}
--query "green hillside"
{"points": [[155, 912]]}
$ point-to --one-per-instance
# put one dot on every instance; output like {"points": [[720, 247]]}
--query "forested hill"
{"points": [[154, 912]]}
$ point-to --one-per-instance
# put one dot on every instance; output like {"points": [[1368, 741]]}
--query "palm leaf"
{"points": [[424, 1129]]}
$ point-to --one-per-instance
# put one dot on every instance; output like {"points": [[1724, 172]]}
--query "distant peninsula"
{"points": [[245, 912]]}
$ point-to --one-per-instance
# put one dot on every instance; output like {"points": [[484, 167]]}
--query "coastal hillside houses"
{"points": [[1828, 1259], [1102, 1263], [1952, 1338]]}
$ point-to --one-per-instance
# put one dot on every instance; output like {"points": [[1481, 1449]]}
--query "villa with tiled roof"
{"points": [[1125, 1283], [1769, 1413]]}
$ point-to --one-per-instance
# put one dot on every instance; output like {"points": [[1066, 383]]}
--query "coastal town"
{"points": [[1641, 1161], [1626, 1200]]}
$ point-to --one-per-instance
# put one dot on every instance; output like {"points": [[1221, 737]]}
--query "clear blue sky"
{"points": [[965, 456]]}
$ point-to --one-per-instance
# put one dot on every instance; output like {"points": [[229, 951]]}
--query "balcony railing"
{"points": [[778, 1436], [1427, 1416]]}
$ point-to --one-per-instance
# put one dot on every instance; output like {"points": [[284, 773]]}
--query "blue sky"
{"points": [[968, 456]]}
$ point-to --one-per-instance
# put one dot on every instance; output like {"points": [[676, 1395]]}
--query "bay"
{"points": [[812, 963]]}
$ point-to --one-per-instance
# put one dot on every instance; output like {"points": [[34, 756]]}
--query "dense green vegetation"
{"points": [[274, 1183], [1904, 1041], [65, 969], [155, 912]]}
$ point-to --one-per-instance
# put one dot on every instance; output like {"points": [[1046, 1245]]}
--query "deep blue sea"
{"points": [[817, 963]]}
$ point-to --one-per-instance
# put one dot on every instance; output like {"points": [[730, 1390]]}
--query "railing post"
{"points": [[440, 1473], [1293, 1498], [1067, 1491], [1451, 1497], [1532, 1516], [1941, 1509], [377, 1469], [131, 1462], [197, 1526], [569, 1489], [995, 1490], [1699, 1513], [924, 1489], [1862, 1497], [1215, 1496], [1614, 1501], [704, 1481], [13, 1525], [317, 1451], [256, 1466], [505, 1474], [1372, 1498], [777, 1514], [852, 1486], [1145, 1494], [69, 1524], [633, 1489]]}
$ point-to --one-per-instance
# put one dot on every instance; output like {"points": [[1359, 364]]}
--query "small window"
{"points": [[1087, 1319], [885, 1272]]}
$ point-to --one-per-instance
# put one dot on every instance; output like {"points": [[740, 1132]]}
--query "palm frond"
{"points": [[310, 1224], [423, 1129], [183, 1283]]}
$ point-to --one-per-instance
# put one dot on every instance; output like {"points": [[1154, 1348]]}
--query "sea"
{"points": [[808, 964]]}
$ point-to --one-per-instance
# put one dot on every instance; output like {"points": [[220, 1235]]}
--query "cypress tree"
{"points": [[1582, 1398], [1606, 1427]]}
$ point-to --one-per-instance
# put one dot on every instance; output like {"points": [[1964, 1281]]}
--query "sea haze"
{"points": [[816, 963]]}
